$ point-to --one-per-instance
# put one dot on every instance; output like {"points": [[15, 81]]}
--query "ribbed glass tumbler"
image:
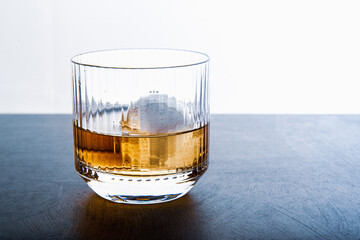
{"points": [[141, 122]]}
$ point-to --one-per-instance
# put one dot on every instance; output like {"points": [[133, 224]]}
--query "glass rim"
{"points": [[78, 62]]}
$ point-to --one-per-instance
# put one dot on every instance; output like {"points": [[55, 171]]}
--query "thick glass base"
{"points": [[140, 189]]}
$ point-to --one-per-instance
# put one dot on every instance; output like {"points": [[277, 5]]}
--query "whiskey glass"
{"points": [[141, 122]]}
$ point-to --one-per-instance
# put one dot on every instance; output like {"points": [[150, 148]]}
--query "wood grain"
{"points": [[270, 177]]}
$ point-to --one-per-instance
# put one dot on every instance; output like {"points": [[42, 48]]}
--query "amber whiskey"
{"points": [[142, 155]]}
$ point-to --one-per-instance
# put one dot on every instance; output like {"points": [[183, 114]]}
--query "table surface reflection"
{"points": [[270, 177]]}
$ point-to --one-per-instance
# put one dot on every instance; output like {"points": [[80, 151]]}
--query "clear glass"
{"points": [[141, 122]]}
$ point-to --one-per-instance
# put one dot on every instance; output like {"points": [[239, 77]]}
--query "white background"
{"points": [[266, 56]]}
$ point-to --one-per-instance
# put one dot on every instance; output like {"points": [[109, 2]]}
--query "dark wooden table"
{"points": [[270, 177]]}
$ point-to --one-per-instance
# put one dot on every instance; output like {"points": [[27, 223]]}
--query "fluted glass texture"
{"points": [[140, 112]]}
